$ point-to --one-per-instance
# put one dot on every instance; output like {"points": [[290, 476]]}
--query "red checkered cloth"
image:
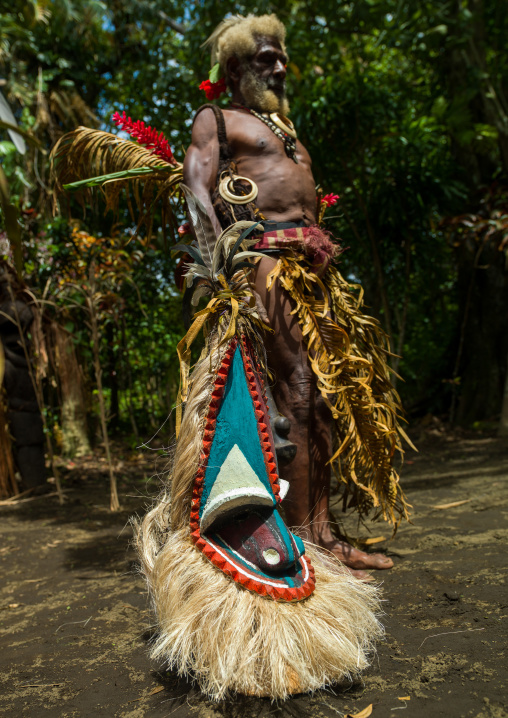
{"points": [[312, 241]]}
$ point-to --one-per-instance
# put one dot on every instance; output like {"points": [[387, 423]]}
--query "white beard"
{"points": [[258, 95]]}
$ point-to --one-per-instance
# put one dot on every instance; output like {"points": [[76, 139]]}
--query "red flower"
{"points": [[213, 89], [147, 136], [330, 199]]}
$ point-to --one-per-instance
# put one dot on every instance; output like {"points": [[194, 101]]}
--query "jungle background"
{"points": [[404, 108]]}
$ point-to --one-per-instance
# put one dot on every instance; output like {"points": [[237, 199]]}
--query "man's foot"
{"points": [[357, 561]]}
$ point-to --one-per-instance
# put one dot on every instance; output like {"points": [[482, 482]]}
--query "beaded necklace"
{"points": [[288, 138]]}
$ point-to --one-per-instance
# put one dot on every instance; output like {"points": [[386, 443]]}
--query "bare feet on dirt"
{"points": [[357, 561]]}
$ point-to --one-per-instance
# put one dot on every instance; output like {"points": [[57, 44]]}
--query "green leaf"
{"points": [[441, 29], [26, 135], [244, 234], [193, 251], [214, 74], [12, 226], [115, 176]]}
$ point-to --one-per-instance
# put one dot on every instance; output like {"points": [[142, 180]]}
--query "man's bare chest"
{"points": [[249, 136], [254, 144]]}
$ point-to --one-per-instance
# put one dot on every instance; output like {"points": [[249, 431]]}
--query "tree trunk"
{"points": [[75, 440], [127, 383], [114, 404], [482, 364], [114, 503], [8, 484], [503, 424]]}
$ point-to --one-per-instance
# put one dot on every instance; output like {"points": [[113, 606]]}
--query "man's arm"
{"points": [[201, 162]]}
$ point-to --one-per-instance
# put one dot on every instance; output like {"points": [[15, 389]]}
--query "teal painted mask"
{"points": [[234, 518]]}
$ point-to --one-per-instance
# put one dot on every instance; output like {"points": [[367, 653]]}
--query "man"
{"points": [[242, 142]]}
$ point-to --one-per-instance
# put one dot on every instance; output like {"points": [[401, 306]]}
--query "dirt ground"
{"points": [[75, 624]]}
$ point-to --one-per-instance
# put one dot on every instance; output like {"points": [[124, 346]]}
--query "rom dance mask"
{"points": [[234, 517]]}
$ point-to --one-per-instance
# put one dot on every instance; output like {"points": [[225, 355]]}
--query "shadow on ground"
{"points": [[75, 621]]}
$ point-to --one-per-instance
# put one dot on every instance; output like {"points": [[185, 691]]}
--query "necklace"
{"points": [[281, 126]]}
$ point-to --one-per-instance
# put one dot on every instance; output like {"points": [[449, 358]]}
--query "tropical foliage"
{"points": [[404, 108]]}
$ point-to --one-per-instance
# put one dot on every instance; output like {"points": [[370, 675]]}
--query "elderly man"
{"points": [[246, 162]]}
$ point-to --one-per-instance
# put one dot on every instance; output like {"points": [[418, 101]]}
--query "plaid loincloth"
{"points": [[313, 242]]}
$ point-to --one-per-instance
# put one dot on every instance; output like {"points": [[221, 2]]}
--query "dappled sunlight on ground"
{"points": [[75, 620]]}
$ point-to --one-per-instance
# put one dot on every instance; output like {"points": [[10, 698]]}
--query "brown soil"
{"points": [[75, 621]]}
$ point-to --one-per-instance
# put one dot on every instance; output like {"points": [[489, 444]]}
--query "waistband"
{"points": [[270, 225], [313, 242]]}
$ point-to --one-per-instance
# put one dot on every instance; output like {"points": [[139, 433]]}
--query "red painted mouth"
{"points": [[260, 537]]}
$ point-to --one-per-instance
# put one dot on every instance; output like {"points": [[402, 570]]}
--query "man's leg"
{"points": [[297, 398]]}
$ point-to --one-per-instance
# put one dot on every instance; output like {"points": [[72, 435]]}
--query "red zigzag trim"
{"points": [[283, 593]]}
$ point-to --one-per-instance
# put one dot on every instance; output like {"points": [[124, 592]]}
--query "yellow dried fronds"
{"points": [[228, 313], [348, 356], [70, 108], [85, 153]]}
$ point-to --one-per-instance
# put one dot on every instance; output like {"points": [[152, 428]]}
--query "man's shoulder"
{"points": [[212, 120], [208, 113], [204, 126], [203, 114]]}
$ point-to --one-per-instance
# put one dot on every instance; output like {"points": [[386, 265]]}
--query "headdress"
{"points": [[236, 36]]}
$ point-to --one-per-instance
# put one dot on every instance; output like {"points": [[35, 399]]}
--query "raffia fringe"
{"points": [[225, 637], [348, 354], [232, 640]]}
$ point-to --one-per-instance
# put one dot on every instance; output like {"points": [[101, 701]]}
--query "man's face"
{"points": [[263, 81], [269, 64]]}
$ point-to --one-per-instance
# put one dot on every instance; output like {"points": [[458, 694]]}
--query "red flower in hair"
{"points": [[213, 90], [330, 199], [147, 136]]}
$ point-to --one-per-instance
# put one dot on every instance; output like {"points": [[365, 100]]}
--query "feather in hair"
{"points": [[213, 41]]}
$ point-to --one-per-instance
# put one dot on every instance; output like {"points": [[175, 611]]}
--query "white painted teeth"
{"points": [[284, 488]]}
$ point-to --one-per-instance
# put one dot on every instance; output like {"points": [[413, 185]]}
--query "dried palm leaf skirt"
{"points": [[348, 353]]}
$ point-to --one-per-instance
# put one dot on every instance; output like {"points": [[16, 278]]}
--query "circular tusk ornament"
{"points": [[225, 190]]}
